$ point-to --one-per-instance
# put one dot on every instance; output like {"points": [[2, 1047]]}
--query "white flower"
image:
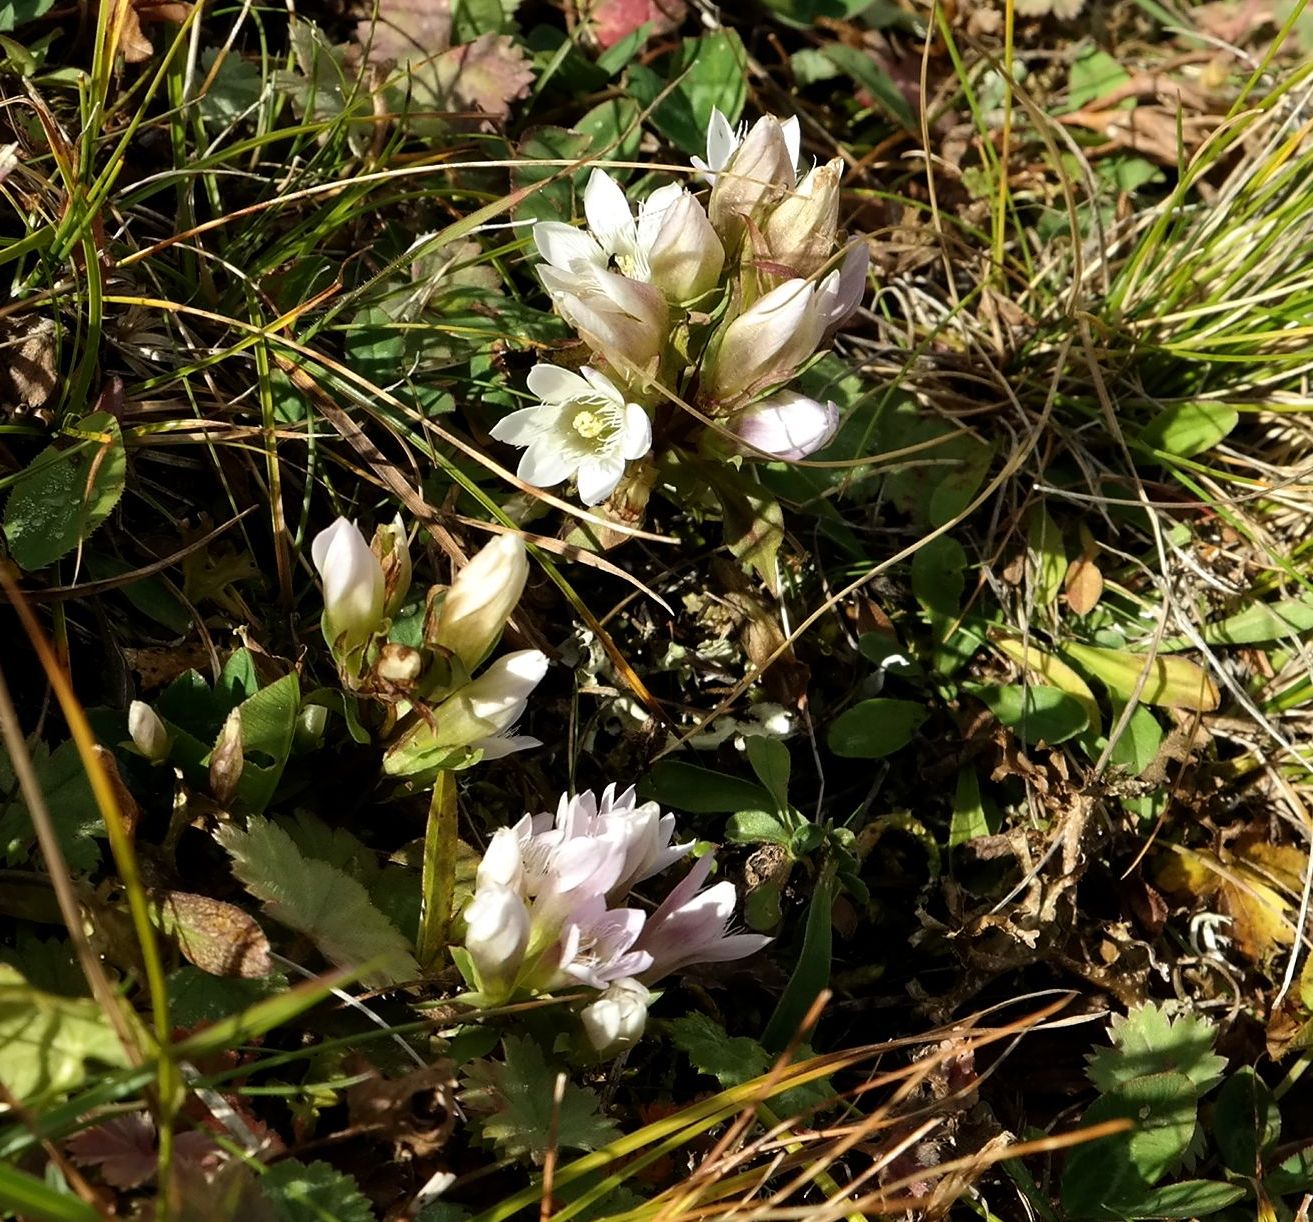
{"points": [[691, 927], [353, 584], [841, 292], [671, 245], [583, 427], [788, 425], [769, 340], [615, 1021], [147, 730], [623, 319], [479, 714], [748, 170], [496, 937], [481, 599]]}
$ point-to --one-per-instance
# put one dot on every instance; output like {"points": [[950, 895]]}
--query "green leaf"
{"points": [[31, 1198], [1187, 429], [971, 819], [711, 72], [754, 525], [1148, 1040], [46, 1040], [314, 1192], [731, 1060], [1093, 75], [196, 997], [15, 13], [1246, 1122], [1259, 623], [862, 67], [874, 728], [72, 806], [811, 973], [268, 730], [757, 827], [519, 1094], [559, 199], [939, 576], [699, 790], [1055, 673], [1037, 713], [1138, 745], [1047, 559], [65, 493], [332, 909], [1173, 683], [770, 761], [1184, 1199]]}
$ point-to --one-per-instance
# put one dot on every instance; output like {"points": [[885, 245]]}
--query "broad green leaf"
{"points": [[971, 819], [770, 761], [613, 129], [757, 827], [34, 1199], [15, 13], [1056, 673], [72, 806], [561, 199], [1093, 75], [46, 1040], [518, 1095], [1256, 624], [874, 728], [1246, 1122], [863, 67], [700, 790], [1046, 557], [1184, 1199], [939, 576], [1173, 683], [1148, 1040], [811, 973], [268, 730], [332, 909], [68, 490], [1187, 429], [1138, 745], [710, 72], [314, 1192], [1037, 713]]}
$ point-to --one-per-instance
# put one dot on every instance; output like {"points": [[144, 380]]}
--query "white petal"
{"points": [[545, 464], [654, 212], [608, 213], [792, 138], [637, 437], [552, 384], [564, 246], [601, 384], [598, 478], [721, 140], [526, 425], [501, 745]]}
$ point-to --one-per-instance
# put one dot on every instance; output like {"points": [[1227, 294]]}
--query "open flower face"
{"points": [[582, 428]]}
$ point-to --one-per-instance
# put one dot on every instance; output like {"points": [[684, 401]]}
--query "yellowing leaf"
{"points": [[1173, 683], [1056, 673]]}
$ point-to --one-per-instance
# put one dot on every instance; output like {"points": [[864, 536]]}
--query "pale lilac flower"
{"points": [[691, 927], [480, 713], [748, 171], [769, 340], [481, 600], [583, 428], [616, 1020], [788, 425], [353, 584], [841, 292], [597, 944]]}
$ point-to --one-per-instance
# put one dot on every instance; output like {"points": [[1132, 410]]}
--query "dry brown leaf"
{"points": [[27, 365], [125, 1149], [217, 937], [406, 29], [416, 1113], [1083, 585]]}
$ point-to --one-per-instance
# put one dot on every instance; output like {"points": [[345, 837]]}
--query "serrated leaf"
{"points": [[314, 1192], [46, 1040], [1174, 683], [873, 729], [332, 909], [731, 1060], [1148, 1040], [518, 1095], [66, 492]]}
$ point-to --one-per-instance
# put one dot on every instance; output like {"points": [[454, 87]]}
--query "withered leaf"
{"points": [[417, 1112], [27, 365], [217, 937], [125, 1149], [1083, 585], [406, 28]]}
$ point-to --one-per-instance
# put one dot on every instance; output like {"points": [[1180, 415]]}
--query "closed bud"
{"points": [[496, 937], [311, 722], [393, 555], [766, 343], [787, 425], [481, 600], [684, 254], [758, 172], [227, 759], [801, 228], [353, 585], [148, 733], [615, 1021]]}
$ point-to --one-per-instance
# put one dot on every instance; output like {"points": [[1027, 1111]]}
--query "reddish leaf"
{"points": [[126, 1150], [487, 75], [406, 29], [615, 20]]}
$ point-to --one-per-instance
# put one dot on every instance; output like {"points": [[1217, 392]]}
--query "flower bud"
{"points": [[616, 1020], [766, 343], [496, 937], [353, 585], [393, 554], [684, 254], [788, 425], [624, 320], [760, 170], [841, 292], [800, 230], [502, 864], [148, 733], [481, 600]]}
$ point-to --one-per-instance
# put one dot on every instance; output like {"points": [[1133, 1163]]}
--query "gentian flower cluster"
{"points": [[551, 910], [448, 709], [719, 304]]}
